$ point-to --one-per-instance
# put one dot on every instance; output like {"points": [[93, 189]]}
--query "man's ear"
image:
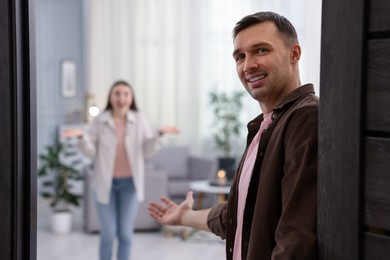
{"points": [[295, 53]]}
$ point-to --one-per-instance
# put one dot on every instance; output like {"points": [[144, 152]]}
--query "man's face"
{"points": [[264, 62]]}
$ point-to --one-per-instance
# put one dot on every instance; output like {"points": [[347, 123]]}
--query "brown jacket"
{"points": [[280, 214]]}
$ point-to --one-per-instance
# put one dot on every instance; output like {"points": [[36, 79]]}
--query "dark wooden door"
{"points": [[354, 145], [17, 131]]}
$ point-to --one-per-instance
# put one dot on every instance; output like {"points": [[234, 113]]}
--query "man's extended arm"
{"points": [[181, 215]]}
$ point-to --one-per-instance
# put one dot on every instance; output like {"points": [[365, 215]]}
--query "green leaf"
{"points": [[42, 171], [48, 184], [226, 125], [62, 173], [46, 195]]}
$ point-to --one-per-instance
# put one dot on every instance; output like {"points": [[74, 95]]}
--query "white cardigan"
{"points": [[100, 142]]}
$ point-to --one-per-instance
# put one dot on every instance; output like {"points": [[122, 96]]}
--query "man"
{"points": [[271, 210]]}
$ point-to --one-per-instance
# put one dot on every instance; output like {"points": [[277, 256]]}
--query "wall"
{"points": [[59, 35]]}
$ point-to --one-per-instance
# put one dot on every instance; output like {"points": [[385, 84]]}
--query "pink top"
{"points": [[243, 185], [121, 164]]}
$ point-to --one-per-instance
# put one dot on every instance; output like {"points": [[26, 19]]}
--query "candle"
{"points": [[221, 177]]}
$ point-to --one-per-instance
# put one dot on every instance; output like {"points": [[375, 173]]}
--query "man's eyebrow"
{"points": [[235, 52], [254, 46]]}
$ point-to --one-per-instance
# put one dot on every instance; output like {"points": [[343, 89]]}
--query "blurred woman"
{"points": [[118, 141]]}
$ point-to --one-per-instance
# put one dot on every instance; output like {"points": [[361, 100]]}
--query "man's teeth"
{"points": [[257, 78]]}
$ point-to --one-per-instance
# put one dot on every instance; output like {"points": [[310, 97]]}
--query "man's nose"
{"points": [[250, 64]]}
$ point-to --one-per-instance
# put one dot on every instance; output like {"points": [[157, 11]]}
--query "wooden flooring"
{"points": [[79, 245]]}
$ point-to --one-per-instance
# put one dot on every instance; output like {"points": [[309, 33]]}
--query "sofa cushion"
{"points": [[173, 160], [178, 187]]}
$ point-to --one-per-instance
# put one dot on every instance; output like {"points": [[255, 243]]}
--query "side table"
{"points": [[204, 186]]}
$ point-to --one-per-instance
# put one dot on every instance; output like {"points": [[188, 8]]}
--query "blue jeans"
{"points": [[117, 219]]}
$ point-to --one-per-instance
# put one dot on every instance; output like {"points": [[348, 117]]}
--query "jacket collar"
{"points": [[106, 117], [254, 125], [294, 95], [284, 103]]}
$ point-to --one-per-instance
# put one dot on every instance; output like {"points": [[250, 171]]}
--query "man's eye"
{"points": [[240, 57], [262, 50]]}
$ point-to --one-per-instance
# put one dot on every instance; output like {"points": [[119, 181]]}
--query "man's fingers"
{"points": [[156, 211], [168, 202], [157, 207], [189, 195]]}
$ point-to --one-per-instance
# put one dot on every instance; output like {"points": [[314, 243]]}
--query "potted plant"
{"points": [[227, 126], [59, 172]]}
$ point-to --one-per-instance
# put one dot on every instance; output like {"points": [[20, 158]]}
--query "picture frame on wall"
{"points": [[68, 78]]}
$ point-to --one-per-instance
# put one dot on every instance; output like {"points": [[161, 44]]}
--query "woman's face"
{"points": [[121, 99]]}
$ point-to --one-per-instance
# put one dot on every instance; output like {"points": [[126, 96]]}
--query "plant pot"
{"points": [[61, 222], [228, 164]]}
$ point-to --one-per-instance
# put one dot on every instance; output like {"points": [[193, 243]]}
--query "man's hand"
{"points": [[182, 214], [171, 213]]}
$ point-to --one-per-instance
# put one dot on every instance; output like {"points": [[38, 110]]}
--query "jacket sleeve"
{"points": [[216, 220], [88, 143], [150, 137], [295, 235]]}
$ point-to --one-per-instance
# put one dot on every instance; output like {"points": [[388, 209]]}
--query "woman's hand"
{"points": [[72, 132], [168, 130]]}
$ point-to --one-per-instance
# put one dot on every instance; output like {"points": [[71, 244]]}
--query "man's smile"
{"points": [[256, 80]]}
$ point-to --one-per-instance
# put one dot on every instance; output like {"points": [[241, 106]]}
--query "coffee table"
{"points": [[204, 186]]}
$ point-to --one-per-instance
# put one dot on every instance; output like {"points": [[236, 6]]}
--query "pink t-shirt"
{"points": [[121, 164], [243, 184]]}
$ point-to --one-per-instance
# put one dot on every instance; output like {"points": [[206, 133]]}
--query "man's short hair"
{"points": [[284, 26]]}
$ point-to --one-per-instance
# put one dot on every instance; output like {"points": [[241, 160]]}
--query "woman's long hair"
{"points": [[133, 105]]}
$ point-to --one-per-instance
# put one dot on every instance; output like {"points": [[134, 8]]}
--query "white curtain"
{"points": [[174, 52]]}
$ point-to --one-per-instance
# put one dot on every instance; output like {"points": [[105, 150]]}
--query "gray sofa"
{"points": [[182, 168], [168, 173], [156, 183]]}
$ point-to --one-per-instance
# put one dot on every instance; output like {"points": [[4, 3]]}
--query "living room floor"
{"points": [[79, 245]]}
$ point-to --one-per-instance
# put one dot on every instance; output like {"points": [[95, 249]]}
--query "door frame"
{"points": [[18, 161]]}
